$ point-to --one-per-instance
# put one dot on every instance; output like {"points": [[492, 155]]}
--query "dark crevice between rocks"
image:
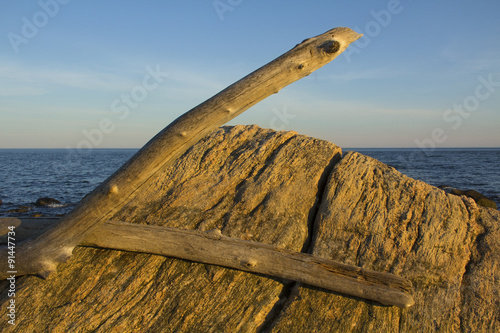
{"points": [[284, 299], [313, 213], [290, 289]]}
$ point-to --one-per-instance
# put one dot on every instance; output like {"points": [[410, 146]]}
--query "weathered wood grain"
{"points": [[214, 248]]}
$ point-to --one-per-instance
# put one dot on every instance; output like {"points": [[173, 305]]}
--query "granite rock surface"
{"points": [[298, 193]]}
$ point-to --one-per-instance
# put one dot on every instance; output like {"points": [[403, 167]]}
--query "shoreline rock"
{"points": [[479, 198], [21, 209], [46, 201], [297, 193]]}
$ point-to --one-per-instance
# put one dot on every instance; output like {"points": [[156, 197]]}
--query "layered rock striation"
{"points": [[298, 193]]}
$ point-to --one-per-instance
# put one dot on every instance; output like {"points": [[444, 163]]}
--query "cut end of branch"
{"points": [[401, 300], [344, 35], [333, 42], [409, 302]]}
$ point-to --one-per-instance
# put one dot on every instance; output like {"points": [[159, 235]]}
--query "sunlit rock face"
{"points": [[298, 193]]}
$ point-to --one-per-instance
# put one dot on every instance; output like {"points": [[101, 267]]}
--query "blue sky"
{"points": [[425, 74]]}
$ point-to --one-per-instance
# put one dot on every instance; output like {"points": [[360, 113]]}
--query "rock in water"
{"points": [[21, 209], [479, 198], [295, 192], [46, 201]]}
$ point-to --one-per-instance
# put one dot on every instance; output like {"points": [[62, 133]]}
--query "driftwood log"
{"points": [[214, 248], [88, 223]]}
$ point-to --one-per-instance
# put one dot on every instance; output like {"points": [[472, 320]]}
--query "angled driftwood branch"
{"points": [[88, 224], [213, 248], [42, 255]]}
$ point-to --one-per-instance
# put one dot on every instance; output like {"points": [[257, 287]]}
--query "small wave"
{"points": [[56, 205]]}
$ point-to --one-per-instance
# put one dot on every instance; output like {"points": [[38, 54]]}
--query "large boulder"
{"points": [[297, 193], [449, 248]]}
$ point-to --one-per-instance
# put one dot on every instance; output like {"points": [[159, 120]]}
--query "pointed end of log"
{"points": [[343, 36], [410, 302], [333, 42], [400, 299], [346, 34], [406, 301]]}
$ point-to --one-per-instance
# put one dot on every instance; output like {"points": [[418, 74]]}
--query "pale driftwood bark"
{"points": [[214, 248], [42, 255]]}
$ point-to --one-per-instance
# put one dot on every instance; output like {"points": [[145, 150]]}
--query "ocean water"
{"points": [[462, 168], [66, 175], [29, 174]]}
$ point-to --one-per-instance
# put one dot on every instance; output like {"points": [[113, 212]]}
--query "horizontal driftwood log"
{"points": [[42, 255], [214, 248], [211, 247]]}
